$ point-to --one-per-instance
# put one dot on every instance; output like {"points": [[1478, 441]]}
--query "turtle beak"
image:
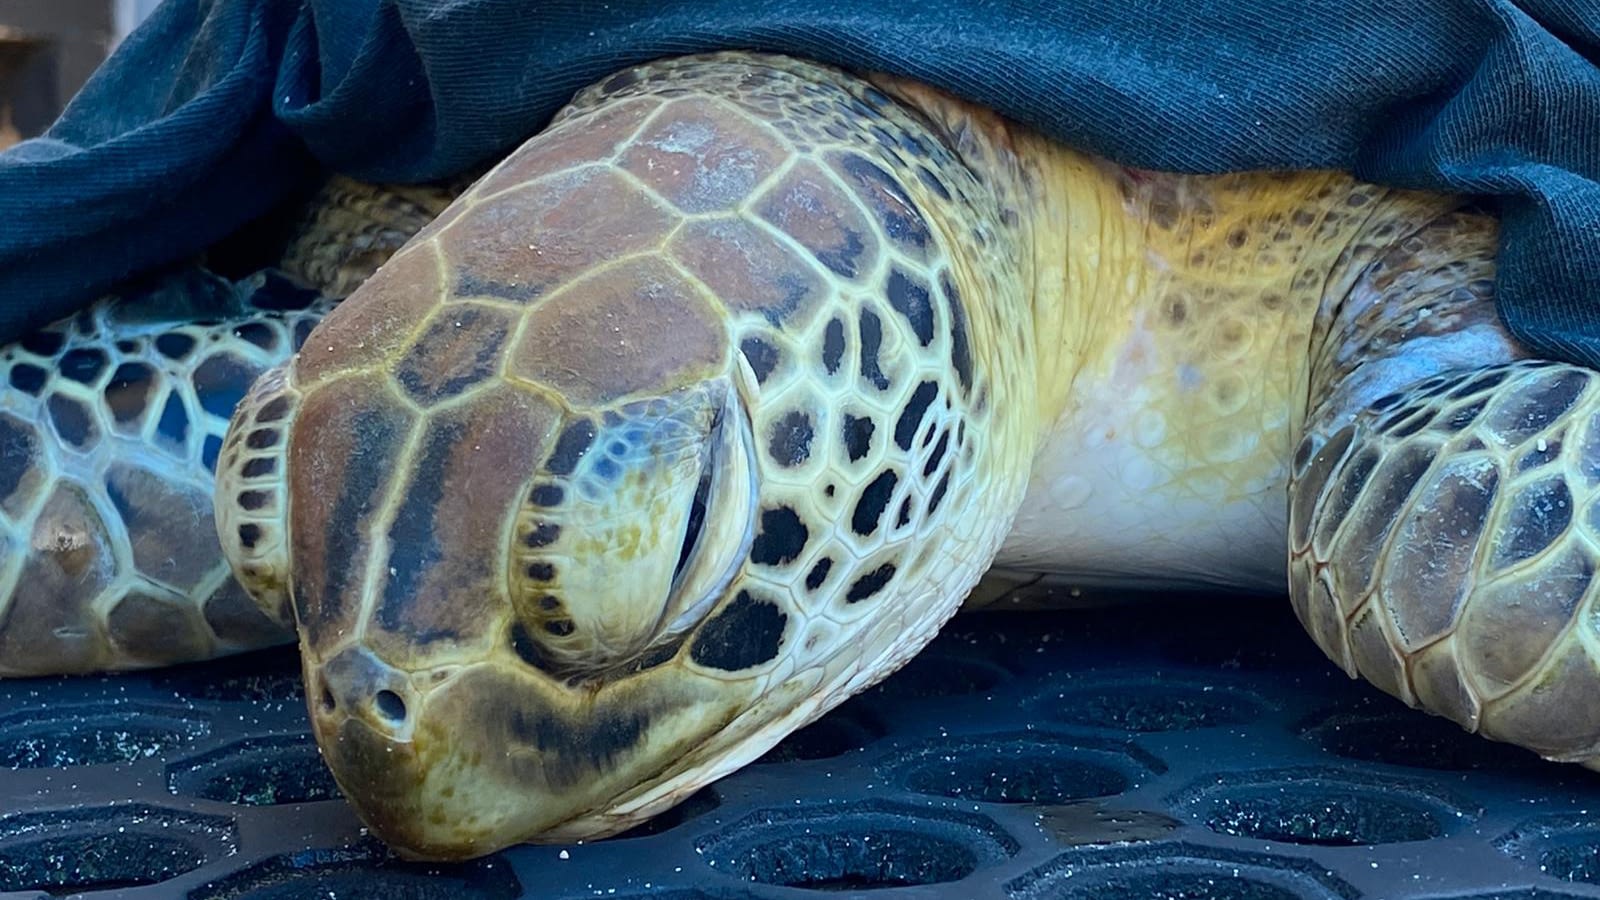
{"points": [[465, 761]]}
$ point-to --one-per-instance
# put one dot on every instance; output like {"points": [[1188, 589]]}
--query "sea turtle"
{"points": [[709, 405]]}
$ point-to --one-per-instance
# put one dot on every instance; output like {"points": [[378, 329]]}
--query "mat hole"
{"points": [[1334, 816], [1175, 886], [860, 861], [100, 862], [995, 777], [1150, 708]]}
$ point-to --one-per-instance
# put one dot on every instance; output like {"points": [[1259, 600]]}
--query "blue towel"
{"points": [[214, 110]]}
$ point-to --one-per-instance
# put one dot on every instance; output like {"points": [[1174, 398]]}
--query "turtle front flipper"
{"points": [[1444, 544], [111, 422]]}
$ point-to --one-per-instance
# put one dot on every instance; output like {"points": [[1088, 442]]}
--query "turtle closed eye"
{"points": [[720, 529], [697, 521]]}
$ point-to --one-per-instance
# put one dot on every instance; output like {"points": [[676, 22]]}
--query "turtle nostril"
{"points": [[390, 706]]}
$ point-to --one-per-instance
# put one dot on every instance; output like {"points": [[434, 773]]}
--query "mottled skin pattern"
{"points": [[710, 404]]}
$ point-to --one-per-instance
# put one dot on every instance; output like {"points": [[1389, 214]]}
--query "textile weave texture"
{"points": [[212, 111]]}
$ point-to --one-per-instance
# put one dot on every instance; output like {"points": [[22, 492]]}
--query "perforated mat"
{"points": [[1199, 750]]}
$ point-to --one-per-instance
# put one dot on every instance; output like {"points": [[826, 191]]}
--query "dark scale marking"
{"points": [[174, 344], [209, 451], [541, 571], [263, 438], [523, 645], [570, 447], [471, 284], [83, 364], [302, 331], [129, 392], [833, 345], [937, 456], [542, 535], [903, 518], [781, 539], [874, 500], [960, 351], [72, 421], [858, 436], [44, 343], [174, 422], [572, 750], [221, 382], [1481, 383], [257, 333], [1540, 513], [871, 343], [415, 528], [747, 633], [547, 495], [471, 340], [657, 655], [560, 627], [819, 573], [1412, 425], [789, 440], [549, 603], [276, 409], [1302, 455], [887, 199], [19, 445], [342, 534], [253, 501], [870, 583], [619, 81], [905, 430], [933, 182], [260, 467], [909, 298], [1396, 417], [1462, 417], [1540, 455], [762, 356], [938, 493], [249, 535], [28, 378]]}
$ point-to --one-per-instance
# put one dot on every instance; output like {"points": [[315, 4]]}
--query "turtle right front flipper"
{"points": [[1443, 540]]}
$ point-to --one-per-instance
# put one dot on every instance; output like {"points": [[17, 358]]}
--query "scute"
{"points": [[749, 269], [810, 206], [460, 347], [169, 525], [51, 625], [357, 335], [338, 482], [700, 157], [539, 236], [450, 586], [633, 325]]}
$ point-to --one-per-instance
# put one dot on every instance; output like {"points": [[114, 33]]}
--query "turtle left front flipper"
{"points": [[1443, 536]]}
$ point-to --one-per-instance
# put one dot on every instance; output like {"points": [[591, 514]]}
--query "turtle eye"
{"points": [[697, 521]]}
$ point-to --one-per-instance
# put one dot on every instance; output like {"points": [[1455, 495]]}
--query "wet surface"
{"points": [[1199, 749]]}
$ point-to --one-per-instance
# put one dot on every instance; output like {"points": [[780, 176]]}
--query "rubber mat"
{"points": [[1189, 750]]}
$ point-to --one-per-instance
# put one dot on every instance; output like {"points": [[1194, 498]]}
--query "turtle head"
{"points": [[660, 441]]}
